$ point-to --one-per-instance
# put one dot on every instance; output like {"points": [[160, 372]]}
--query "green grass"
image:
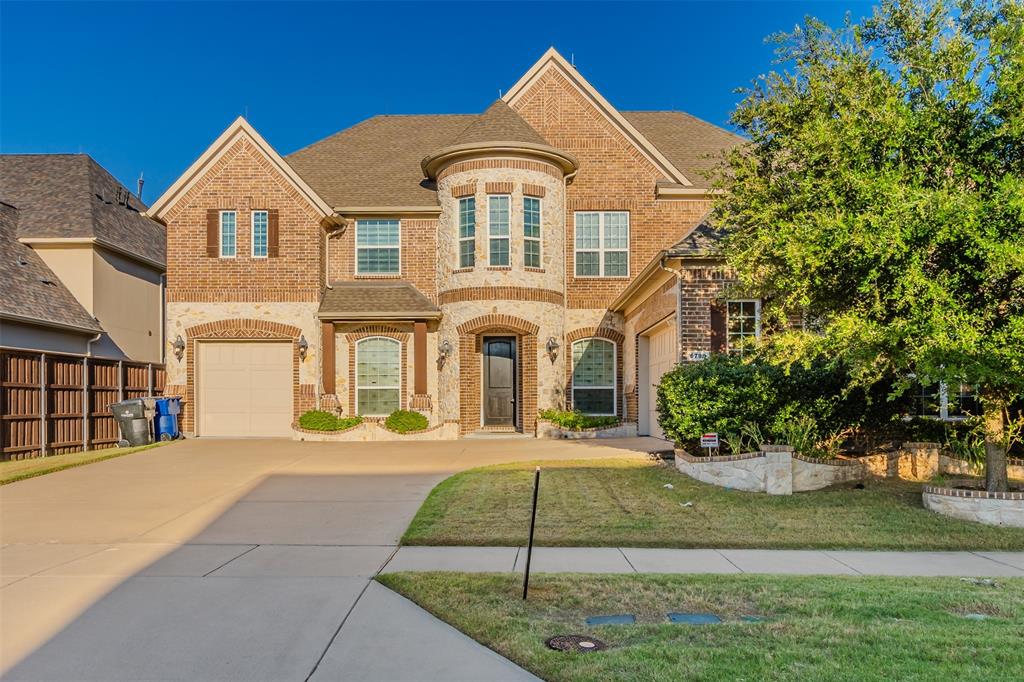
{"points": [[10, 472], [817, 628], [622, 502]]}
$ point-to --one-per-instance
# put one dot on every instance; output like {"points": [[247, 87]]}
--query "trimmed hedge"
{"points": [[318, 420], [404, 421], [576, 421]]}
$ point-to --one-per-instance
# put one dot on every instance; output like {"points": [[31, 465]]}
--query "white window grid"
{"points": [[396, 387], [749, 323], [467, 232], [260, 233], [532, 212], [612, 386], [604, 234], [499, 218], [228, 234], [397, 247]]}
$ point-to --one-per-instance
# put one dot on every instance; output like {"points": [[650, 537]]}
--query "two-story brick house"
{"points": [[477, 268]]}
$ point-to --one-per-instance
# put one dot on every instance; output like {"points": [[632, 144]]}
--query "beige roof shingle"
{"points": [[499, 124], [380, 299]]}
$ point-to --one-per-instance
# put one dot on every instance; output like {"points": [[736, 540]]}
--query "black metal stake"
{"points": [[533, 521]]}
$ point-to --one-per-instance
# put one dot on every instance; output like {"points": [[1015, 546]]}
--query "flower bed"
{"points": [[370, 431], [549, 429]]}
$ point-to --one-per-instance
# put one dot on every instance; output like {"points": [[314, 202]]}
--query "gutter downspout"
{"points": [[163, 318], [679, 305]]}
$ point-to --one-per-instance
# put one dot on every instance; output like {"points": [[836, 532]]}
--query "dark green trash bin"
{"points": [[131, 420]]}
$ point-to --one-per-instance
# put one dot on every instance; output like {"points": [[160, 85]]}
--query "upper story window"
{"points": [[260, 230], [593, 376], [743, 325], [467, 232], [378, 376], [602, 244], [228, 234], [531, 232], [498, 210], [378, 247]]}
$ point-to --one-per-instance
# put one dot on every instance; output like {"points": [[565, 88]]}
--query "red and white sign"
{"points": [[709, 440]]}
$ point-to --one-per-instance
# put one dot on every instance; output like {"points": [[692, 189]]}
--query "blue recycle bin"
{"points": [[165, 424]]}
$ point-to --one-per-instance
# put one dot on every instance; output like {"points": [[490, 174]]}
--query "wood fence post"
{"points": [[42, 404], [85, 403], [150, 374], [120, 380]]}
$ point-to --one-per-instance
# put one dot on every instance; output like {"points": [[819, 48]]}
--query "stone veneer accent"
{"points": [[775, 470], [994, 509]]}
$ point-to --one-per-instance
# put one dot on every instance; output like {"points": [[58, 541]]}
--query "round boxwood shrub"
{"points": [[404, 421], [318, 420]]}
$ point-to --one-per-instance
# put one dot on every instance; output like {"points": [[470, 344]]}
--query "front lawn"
{"points": [[29, 468], [815, 628], [623, 503]]}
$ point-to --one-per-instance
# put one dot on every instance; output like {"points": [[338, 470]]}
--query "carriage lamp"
{"points": [[444, 351], [178, 347], [303, 347], [552, 348]]}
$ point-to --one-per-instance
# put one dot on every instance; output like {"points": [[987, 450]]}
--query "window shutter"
{"points": [[212, 233], [718, 338], [272, 250]]}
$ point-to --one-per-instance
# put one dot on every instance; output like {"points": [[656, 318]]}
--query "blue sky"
{"points": [[147, 86]]}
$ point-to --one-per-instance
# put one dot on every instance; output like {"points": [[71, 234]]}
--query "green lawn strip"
{"points": [[623, 502], [819, 628], [11, 472]]}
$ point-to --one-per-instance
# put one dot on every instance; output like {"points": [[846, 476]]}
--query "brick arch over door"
{"points": [[471, 335], [303, 396], [596, 333], [388, 332]]}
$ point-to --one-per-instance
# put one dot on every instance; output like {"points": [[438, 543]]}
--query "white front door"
{"points": [[245, 388], [661, 357]]}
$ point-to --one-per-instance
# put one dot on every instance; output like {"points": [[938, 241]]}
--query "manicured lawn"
{"points": [[816, 628], [623, 503], [28, 468]]}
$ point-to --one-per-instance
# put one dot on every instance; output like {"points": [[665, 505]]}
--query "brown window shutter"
{"points": [[272, 249], [718, 337], [213, 233]]}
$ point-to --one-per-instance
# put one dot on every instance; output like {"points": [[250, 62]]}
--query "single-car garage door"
{"points": [[661, 358], [245, 388]]}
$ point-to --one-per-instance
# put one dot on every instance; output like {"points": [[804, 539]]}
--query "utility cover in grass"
{"points": [[622, 619], [580, 643], [694, 618]]}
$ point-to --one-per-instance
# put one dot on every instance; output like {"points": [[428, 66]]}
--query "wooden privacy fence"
{"points": [[54, 403]]}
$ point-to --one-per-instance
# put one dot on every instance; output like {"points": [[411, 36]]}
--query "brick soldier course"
{"points": [[552, 147]]}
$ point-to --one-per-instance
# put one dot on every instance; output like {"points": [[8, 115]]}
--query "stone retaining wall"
{"points": [[994, 509], [546, 429], [775, 470], [374, 431]]}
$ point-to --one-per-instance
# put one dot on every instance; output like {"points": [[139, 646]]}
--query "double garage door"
{"points": [[244, 388]]}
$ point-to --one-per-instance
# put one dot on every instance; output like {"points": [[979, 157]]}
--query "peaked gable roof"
{"points": [[70, 196], [692, 145], [499, 123], [239, 128], [551, 59], [30, 290]]}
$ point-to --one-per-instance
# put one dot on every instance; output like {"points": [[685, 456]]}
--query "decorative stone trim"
{"points": [[500, 294], [421, 401], [377, 330], [243, 328], [504, 163], [466, 190], [977, 494], [497, 321], [499, 268], [683, 454], [499, 187], [239, 295], [530, 190], [598, 332]]}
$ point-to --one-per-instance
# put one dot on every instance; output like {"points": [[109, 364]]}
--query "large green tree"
{"points": [[883, 193]]}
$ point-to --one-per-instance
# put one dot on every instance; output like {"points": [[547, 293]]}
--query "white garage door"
{"points": [[661, 358], [245, 388]]}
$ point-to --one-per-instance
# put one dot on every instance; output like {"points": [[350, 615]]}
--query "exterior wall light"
{"points": [[552, 348], [178, 347], [303, 347], [444, 351]]}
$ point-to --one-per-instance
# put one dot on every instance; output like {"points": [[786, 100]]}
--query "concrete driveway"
{"points": [[236, 559]]}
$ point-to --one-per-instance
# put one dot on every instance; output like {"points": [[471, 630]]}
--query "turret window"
{"points": [[467, 232], [498, 209], [531, 232]]}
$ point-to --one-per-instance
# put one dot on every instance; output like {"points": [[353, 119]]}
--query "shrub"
{"points": [[404, 421], [729, 395], [318, 420], [576, 421]]}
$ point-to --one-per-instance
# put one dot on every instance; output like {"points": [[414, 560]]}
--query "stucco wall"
{"points": [[31, 337], [126, 301]]}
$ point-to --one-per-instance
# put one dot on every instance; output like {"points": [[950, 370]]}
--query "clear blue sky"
{"points": [[147, 86]]}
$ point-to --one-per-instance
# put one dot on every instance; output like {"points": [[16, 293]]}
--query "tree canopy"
{"points": [[882, 192]]}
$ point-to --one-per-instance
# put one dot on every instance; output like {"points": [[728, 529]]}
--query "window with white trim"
{"points": [[260, 227], [531, 232], [378, 376], [743, 325], [228, 234], [593, 376], [938, 401], [499, 207], [467, 232], [602, 244], [378, 247]]}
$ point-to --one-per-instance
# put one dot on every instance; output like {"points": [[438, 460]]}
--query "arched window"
{"points": [[378, 376], [593, 376]]}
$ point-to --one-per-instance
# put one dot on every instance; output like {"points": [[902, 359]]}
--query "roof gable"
{"points": [[553, 60], [240, 128]]}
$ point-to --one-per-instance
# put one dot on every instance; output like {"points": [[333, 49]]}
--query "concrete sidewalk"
{"points": [[643, 560]]}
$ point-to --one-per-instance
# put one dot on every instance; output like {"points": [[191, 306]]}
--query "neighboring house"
{"points": [[476, 268], [85, 267]]}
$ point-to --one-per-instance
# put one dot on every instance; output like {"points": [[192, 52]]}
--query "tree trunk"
{"points": [[995, 444]]}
